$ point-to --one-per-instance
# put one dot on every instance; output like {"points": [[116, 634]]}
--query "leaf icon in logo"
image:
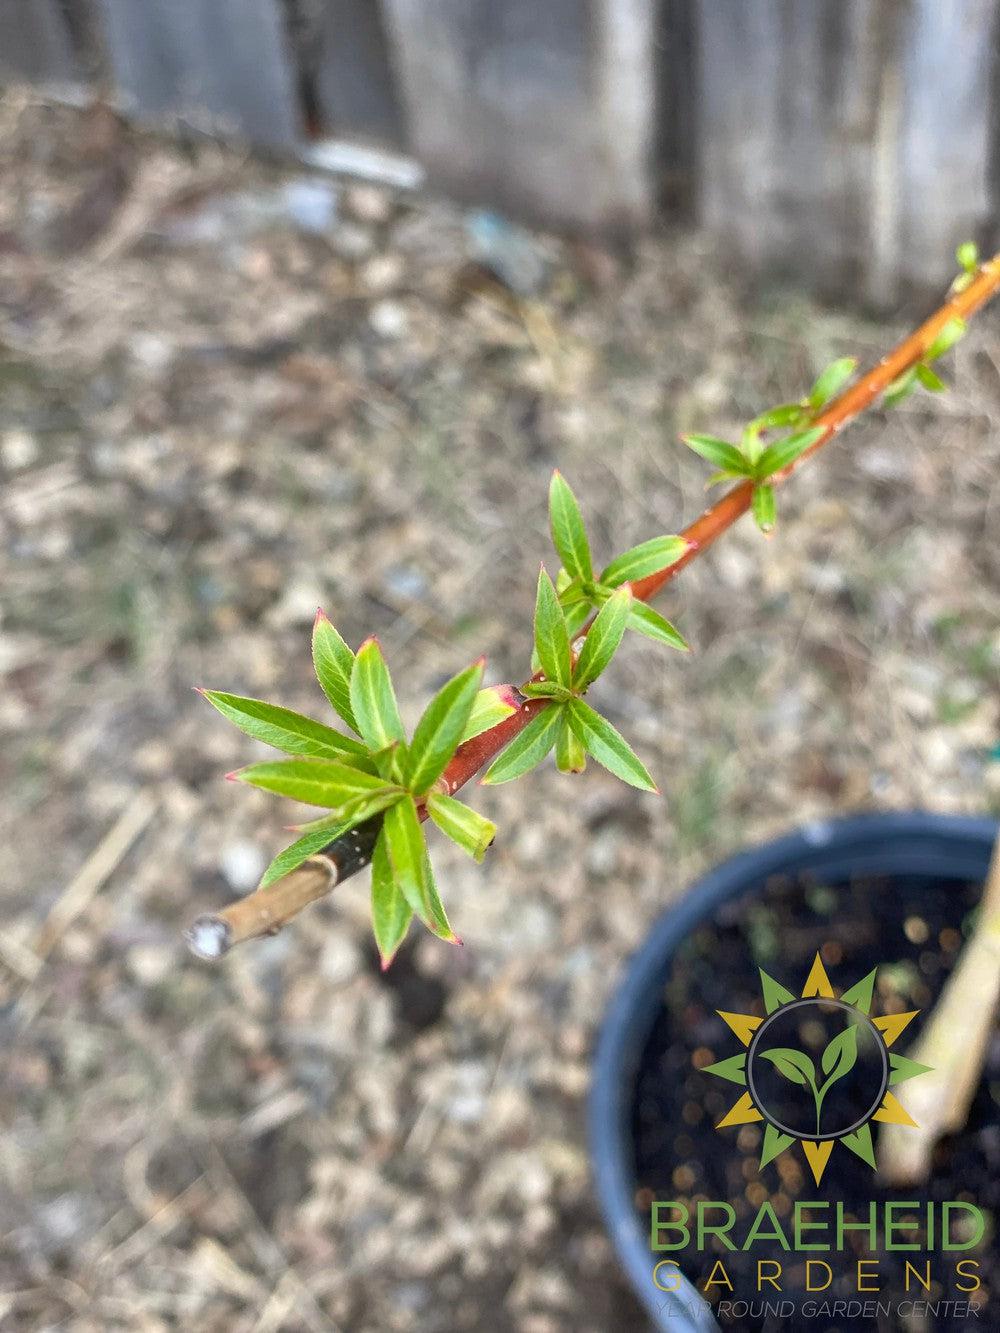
{"points": [[795, 1065], [840, 1055]]}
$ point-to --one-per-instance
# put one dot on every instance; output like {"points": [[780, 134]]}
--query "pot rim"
{"points": [[886, 843]]}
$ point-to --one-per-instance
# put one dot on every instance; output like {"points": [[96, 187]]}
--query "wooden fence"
{"points": [[847, 143]]}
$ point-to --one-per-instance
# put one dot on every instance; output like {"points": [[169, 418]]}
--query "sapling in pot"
{"points": [[380, 789]]}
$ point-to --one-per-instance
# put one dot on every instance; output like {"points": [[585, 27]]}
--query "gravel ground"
{"points": [[223, 402]]}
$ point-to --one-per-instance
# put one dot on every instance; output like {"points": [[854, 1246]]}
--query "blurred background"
{"points": [[278, 329]]}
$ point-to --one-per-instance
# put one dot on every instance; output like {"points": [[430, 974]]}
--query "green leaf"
{"points": [[569, 536], [720, 453], [571, 757], [831, 381], [840, 1055], [372, 803], [967, 255], [391, 913], [724, 475], [764, 508], [599, 738], [929, 379], [390, 763], [901, 387], [437, 734], [373, 699], [321, 835], [645, 620], [411, 868], [603, 638], [545, 689], [781, 453], [946, 339], [527, 749], [464, 826], [333, 663], [489, 709], [576, 616], [795, 1065], [285, 730], [354, 811], [647, 558], [782, 417], [551, 636], [751, 446], [314, 781], [570, 591]]}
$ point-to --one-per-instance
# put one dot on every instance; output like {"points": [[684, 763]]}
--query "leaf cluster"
{"points": [[375, 771], [581, 592], [565, 721], [762, 451], [578, 598], [921, 375]]}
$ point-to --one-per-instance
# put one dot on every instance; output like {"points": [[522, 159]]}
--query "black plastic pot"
{"points": [[888, 845]]}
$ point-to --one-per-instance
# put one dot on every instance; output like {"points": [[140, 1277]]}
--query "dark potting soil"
{"points": [[912, 930]]}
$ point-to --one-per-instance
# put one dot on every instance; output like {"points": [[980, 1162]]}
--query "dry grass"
{"points": [[200, 442]]}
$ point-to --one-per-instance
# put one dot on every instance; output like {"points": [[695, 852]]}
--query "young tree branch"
{"points": [[265, 911]]}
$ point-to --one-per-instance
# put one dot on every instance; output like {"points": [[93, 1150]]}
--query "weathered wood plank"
{"points": [[354, 85], [35, 43], [844, 143], [949, 108], [219, 64], [542, 110]]}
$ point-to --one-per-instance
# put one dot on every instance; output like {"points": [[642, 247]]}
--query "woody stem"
{"points": [[265, 911]]}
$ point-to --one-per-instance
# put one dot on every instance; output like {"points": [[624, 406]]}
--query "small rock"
{"points": [[312, 203], [340, 959], [297, 603], [382, 273], [406, 583], [242, 864], [509, 252], [151, 963], [388, 319], [368, 203], [352, 241], [531, 844], [64, 1218], [602, 852], [18, 449], [150, 351]]}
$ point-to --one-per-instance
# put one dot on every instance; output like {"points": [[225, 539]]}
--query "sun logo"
{"points": [[817, 1069]]}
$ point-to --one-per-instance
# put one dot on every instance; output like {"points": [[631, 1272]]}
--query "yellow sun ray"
{"points": [[817, 1155], [891, 1112], [744, 1025], [817, 983], [743, 1113], [891, 1025]]}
